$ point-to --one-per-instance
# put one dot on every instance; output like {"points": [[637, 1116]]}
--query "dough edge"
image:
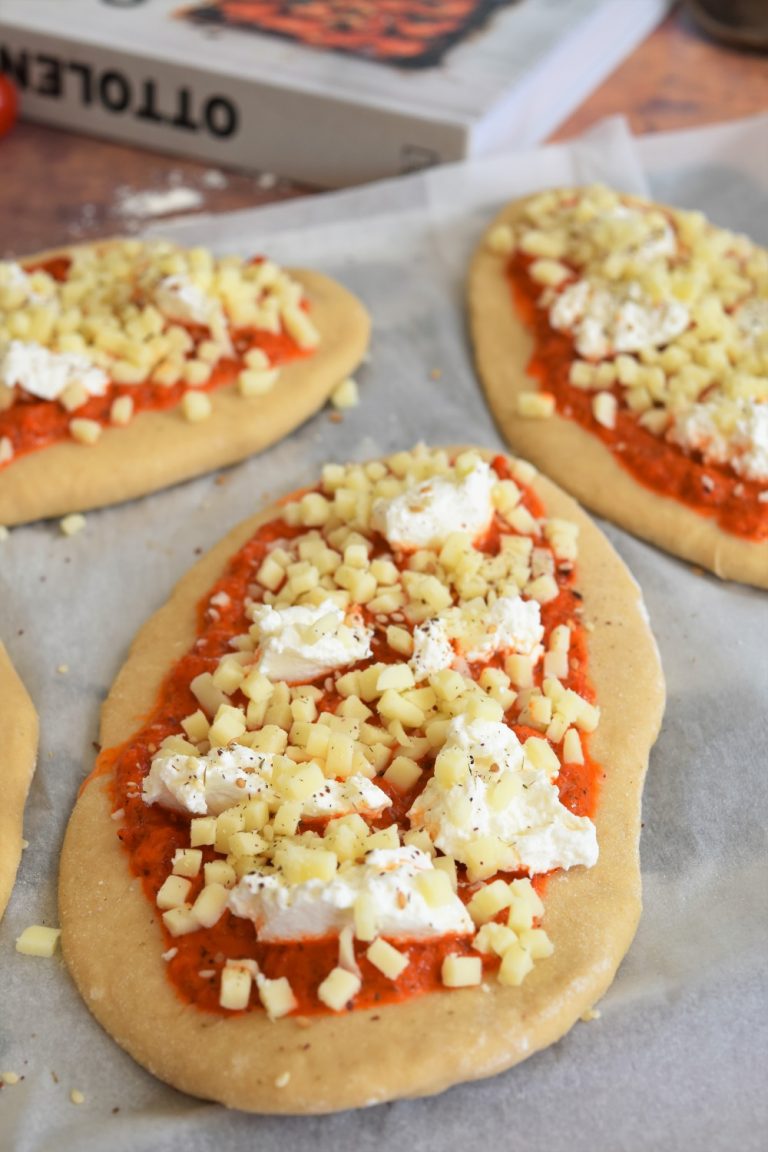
{"points": [[374, 1055], [158, 449], [20, 733], [571, 455]]}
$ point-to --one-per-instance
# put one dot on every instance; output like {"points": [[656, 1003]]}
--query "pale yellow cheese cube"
{"points": [[196, 406], [403, 773], [461, 971], [202, 831], [37, 940], [187, 862], [489, 901], [277, 997], [173, 892], [219, 872], [389, 961], [515, 965], [235, 991], [210, 905], [339, 988]]}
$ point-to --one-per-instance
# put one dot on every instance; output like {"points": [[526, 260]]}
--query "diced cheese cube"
{"points": [[37, 940], [202, 831], [462, 971], [180, 921], [515, 965], [235, 989], [210, 905], [387, 959], [488, 901], [526, 905], [536, 943], [219, 872], [187, 861], [338, 988], [435, 888], [173, 892], [403, 773], [277, 997]]}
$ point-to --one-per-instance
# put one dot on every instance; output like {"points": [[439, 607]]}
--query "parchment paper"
{"points": [[677, 1060]]}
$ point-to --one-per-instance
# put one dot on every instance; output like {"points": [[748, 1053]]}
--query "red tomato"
{"points": [[9, 104]]}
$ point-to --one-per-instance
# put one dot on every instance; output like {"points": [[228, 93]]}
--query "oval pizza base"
{"points": [[112, 941], [570, 454], [18, 722], [161, 448]]}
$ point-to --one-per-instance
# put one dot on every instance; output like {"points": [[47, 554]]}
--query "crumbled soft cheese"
{"points": [[288, 649], [337, 797], [732, 432], [660, 244], [510, 624], [181, 299], [17, 279], [432, 649], [206, 785], [46, 374], [425, 514], [607, 318], [317, 908], [539, 832]]}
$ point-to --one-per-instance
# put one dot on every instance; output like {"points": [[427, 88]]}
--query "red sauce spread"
{"points": [[712, 490], [151, 834], [31, 423]]}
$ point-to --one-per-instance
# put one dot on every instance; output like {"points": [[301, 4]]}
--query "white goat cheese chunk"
{"points": [[426, 513], [46, 374], [316, 908], [538, 832], [606, 318], [301, 643]]}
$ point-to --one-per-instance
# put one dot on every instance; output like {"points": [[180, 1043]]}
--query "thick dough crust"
{"points": [[112, 942], [161, 448], [18, 721], [570, 454]]}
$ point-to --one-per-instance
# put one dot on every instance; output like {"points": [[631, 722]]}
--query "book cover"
{"points": [[327, 91]]}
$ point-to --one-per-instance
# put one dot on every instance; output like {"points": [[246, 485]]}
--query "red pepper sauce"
{"points": [[712, 490], [152, 834], [31, 424]]}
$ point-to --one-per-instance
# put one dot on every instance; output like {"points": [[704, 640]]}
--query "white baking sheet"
{"points": [[677, 1060]]}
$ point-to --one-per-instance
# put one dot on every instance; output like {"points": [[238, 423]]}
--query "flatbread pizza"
{"points": [[19, 723], [126, 366], [623, 347], [365, 823]]}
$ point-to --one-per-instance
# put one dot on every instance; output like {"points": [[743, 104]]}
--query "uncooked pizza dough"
{"points": [[159, 448], [19, 724], [571, 454], [112, 940]]}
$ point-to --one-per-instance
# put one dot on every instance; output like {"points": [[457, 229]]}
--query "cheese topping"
{"points": [[386, 881], [668, 313], [182, 299], [347, 771], [502, 801], [432, 651], [120, 314], [301, 643], [208, 785], [45, 374], [423, 516], [510, 624], [734, 433], [606, 319]]}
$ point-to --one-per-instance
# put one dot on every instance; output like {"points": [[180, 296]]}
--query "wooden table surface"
{"points": [[60, 187]]}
